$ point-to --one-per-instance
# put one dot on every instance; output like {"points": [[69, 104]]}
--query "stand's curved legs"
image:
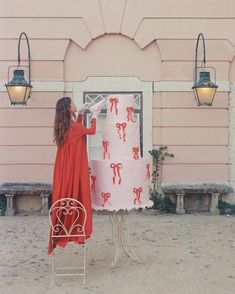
{"points": [[120, 230]]}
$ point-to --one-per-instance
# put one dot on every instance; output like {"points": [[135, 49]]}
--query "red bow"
{"points": [[135, 151], [121, 126], [148, 171], [106, 197], [116, 171], [114, 102], [137, 191], [130, 111], [105, 146], [93, 178]]}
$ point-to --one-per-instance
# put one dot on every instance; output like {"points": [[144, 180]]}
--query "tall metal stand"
{"points": [[121, 235]]}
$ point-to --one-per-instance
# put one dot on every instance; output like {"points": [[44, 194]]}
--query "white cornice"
{"points": [[185, 86], [129, 83]]}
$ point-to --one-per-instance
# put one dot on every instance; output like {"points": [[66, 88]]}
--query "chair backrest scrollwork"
{"points": [[68, 218]]}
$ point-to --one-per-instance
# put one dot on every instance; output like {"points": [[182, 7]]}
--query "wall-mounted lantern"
{"points": [[204, 89], [18, 88]]}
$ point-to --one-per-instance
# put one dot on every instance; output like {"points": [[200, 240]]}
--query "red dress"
{"points": [[71, 176]]}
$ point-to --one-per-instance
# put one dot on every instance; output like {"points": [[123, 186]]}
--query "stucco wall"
{"points": [[152, 40]]}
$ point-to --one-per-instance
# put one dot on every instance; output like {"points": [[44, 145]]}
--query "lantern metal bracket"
{"points": [[19, 42], [196, 54], [196, 67], [19, 60], [18, 79], [204, 81]]}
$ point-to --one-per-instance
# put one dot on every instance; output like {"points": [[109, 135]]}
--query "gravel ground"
{"points": [[183, 254]]}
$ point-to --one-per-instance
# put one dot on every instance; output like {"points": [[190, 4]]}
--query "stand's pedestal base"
{"points": [[120, 223]]}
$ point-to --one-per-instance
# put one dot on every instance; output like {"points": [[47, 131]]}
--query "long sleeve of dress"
{"points": [[88, 131], [78, 130], [80, 117]]}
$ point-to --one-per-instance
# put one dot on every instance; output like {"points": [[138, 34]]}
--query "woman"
{"points": [[71, 172]]}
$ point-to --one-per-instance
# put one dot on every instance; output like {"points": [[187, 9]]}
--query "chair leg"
{"points": [[84, 264], [52, 268]]}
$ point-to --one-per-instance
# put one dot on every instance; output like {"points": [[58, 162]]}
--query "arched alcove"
{"points": [[112, 55]]}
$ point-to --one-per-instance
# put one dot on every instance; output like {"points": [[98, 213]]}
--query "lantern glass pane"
{"points": [[205, 95], [28, 93], [18, 94]]}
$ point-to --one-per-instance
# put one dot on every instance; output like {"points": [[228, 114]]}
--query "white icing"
{"points": [[118, 112], [122, 177], [133, 174], [118, 148]]}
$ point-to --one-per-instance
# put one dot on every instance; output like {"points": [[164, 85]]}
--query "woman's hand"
{"points": [[95, 113], [83, 108], [96, 108]]}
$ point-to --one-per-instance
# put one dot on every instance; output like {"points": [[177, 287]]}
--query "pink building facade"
{"points": [[81, 48]]}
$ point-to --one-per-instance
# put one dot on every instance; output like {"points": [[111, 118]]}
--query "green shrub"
{"points": [[3, 205], [158, 156], [164, 204], [226, 208]]}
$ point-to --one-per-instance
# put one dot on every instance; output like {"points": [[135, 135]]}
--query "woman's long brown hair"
{"points": [[62, 120]]}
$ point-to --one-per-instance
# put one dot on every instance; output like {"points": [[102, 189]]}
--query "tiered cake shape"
{"points": [[120, 179]]}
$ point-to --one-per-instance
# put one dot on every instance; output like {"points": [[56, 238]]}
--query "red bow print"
{"points": [[130, 111], [105, 147], [114, 102], [116, 172], [137, 191], [121, 126], [106, 197], [93, 178], [136, 152], [148, 171]]}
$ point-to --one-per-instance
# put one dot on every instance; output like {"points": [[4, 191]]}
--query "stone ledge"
{"points": [[183, 189], [192, 188], [25, 188], [11, 190]]}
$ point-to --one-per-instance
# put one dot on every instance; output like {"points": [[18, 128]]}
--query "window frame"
{"points": [[136, 110]]}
